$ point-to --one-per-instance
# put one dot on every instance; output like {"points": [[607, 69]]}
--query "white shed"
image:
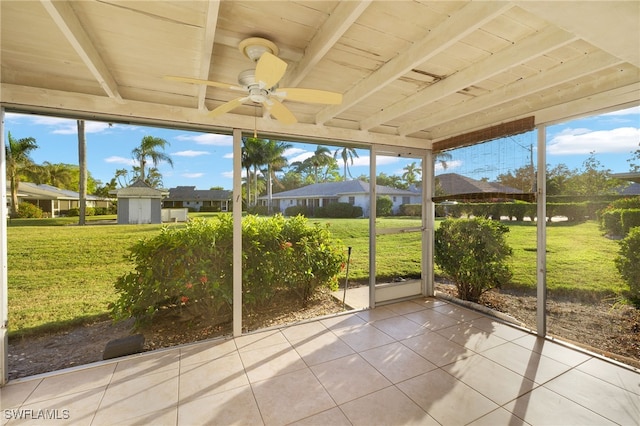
{"points": [[139, 203]]}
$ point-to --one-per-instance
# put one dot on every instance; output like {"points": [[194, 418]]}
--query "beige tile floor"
{"points": [[424, 361]]}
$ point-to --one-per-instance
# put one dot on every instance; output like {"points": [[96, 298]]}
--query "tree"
{"points": [[150, 149], [634, 161], [320, 158], [82, 162], [18, 161], [594, 180], [411, 172], [392, 181], [273, 157], [558, 179], [251, 161], [347, 154], [521, 179]]}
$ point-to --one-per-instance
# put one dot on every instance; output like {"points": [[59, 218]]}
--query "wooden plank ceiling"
{"points": [[411, 72]]}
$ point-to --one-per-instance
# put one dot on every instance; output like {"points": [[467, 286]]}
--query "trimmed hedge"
{"points": [[338, 210], [628, 260]]}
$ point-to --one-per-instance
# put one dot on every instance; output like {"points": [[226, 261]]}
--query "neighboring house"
{"points": [[198, 199], [354, 192], [139, 203], [632, 188], [455, 186], [53, 201]]}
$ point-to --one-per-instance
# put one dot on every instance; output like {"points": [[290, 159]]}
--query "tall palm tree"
{"points": [[411, 172], [273, 157], [59, 175], [150, 148], [18, 162], [347, 154], [251, 161], [320, 158], [82, 178]]}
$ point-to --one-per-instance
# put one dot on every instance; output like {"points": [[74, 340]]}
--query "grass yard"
{"points": [[61, 275]]}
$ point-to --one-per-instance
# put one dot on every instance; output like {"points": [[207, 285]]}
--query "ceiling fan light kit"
{"points": [[261, 84]]}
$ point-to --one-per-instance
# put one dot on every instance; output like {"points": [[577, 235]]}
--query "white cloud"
{"points": [[451, 165], [629, 111], [57, 125], [121, 160], [208, 139], [228, 155], [579, 141], [190, 153], [192, 175], [229, 175]]}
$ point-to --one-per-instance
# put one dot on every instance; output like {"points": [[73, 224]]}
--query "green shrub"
{"points": [[384, 206], [258, 210], [473, 253], [411, 210], [611, 221], [338, 210], [628, 261], [193, 266], [297, 210], [626, 203], [75, 212], [630, 218], [28, 210]]}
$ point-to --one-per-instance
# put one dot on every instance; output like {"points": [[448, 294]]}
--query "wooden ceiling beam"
{"points": [[567, 71], [458, 26], [67, 21], [206, 49], [531, 47], [340, 20]]}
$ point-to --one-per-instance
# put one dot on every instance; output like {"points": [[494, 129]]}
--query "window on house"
{"points": [[406, 200], [352, 200], [394, 199]]}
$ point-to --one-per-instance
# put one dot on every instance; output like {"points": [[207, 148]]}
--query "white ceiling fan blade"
{"points": [[310, 95], [270, 69], [205, 82], [226, 107], [280, 112]]}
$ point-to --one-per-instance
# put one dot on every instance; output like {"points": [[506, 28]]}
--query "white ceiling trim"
{"points": [[68, 23], [458, 26]]}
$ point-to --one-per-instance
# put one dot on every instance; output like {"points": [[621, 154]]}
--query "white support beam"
{"points": [[541, 261], [561, 105], [65, 18], [514, 55], [458, 26], [428, 224], [372, 226], [340, 20], [563, 73], [4, 281], [206, 49], [237, 232], [99, 107]]}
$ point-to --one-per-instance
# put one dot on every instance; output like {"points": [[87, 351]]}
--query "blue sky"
{"points": [[206, 160]]}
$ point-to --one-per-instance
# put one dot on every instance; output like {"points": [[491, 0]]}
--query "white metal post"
{"points": [[4, 283], [541, 198], [428, 223], [372, 228], [237, 232]]}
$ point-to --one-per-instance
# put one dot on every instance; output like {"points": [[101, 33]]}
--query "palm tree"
{"points": [[442, 158], [347, 154], [411, 172], [59, 175], [150, 149], [273, 157], [320, 158], [252, 159], [82, 178], [18, 161]]}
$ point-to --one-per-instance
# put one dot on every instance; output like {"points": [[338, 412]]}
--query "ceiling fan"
{"points": [[260, 85]]}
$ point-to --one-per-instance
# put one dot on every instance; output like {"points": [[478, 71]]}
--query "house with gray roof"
{"points": [[211, 200], [51, 200], [354, 192], [456, 186]]}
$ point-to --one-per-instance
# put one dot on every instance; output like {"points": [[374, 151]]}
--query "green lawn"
{"points": [[62, 275]]}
